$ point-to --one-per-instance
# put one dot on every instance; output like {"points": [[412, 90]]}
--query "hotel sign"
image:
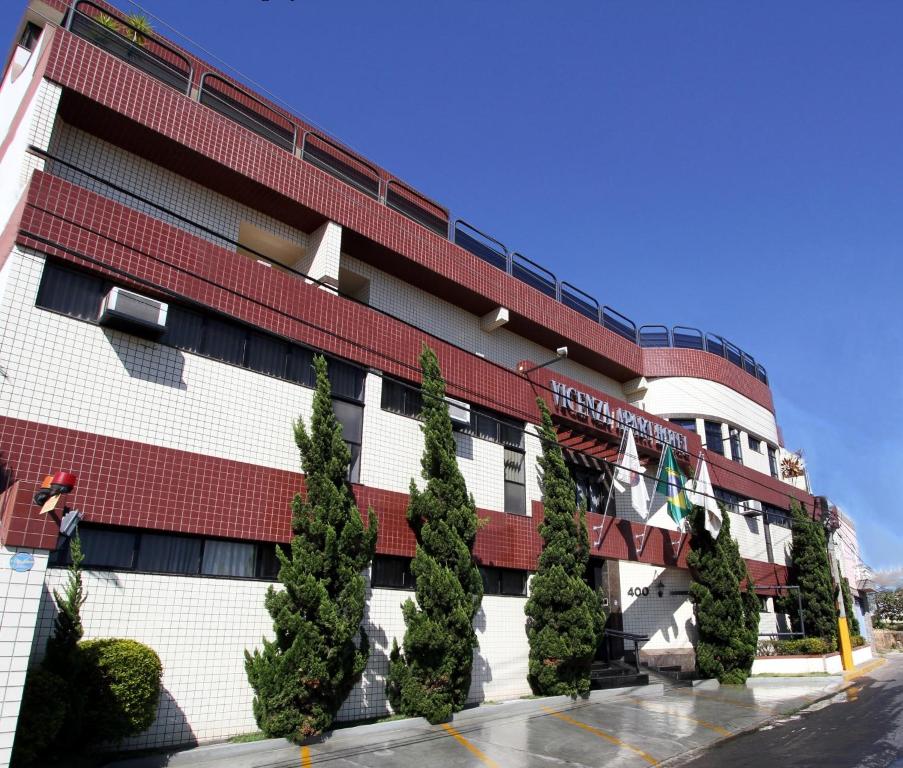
{"points": [[600, 412]]}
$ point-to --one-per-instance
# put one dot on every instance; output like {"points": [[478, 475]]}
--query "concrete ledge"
{"points": [[707, 685]]}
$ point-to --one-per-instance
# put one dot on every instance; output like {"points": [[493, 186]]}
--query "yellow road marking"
{"points": [[701, 695], [470, 747], [703, 723], [864, 669], [305, 757], [602, 734]]}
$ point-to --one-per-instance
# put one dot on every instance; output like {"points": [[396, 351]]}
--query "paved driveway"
{"points": [[641, 727]]}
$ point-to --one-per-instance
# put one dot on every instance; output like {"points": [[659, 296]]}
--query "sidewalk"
{"points": [[632, 726]]}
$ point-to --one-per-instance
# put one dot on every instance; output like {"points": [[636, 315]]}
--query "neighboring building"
{"points": [[854, 570], [172, 247]]}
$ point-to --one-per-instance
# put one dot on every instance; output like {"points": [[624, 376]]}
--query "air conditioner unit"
{"points": [[458, 411], [750, 507], [133, 313]]}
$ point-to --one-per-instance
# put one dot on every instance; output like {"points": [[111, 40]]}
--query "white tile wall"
{"points": [[152, 182], [72, 374], [393, 446], [200, 627], [667, 620], [20, 595], [451, 323]]}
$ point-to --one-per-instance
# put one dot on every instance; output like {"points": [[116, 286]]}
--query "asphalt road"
{"points": [[862, 727]]}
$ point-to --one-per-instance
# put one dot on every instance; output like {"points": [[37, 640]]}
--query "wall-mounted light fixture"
{"points": [[560, 354], [661, 588]]}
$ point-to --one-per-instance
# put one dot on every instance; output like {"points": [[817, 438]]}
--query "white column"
{"points": [[323, 257], [20, 591]]}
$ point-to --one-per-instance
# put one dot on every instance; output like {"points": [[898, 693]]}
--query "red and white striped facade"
{"points": [[165, 440]]}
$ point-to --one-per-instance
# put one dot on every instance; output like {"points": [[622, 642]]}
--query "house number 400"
{"points": [[638, 592]]}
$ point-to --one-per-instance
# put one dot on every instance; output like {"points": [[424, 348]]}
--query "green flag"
{"points": [[671, 483]]}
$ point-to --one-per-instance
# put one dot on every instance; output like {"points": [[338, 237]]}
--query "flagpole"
{"points": [[611, 486], [642, 536]]}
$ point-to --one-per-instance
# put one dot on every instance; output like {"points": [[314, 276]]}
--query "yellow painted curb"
{"points": [[869, 666], [305, 757], [602, 734]]}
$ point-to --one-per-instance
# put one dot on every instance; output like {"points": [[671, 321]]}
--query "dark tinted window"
{"points": [[73, 293], [503, 581], [169, 554], [107, 549], [392, 572], [713, 440], [224, 341]]}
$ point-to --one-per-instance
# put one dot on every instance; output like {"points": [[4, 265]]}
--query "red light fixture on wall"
{"points": [[54, 486]]}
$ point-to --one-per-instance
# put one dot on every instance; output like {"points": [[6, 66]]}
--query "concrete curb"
{"points": [[795, 682]]}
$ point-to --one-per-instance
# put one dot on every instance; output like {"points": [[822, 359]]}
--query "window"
{"points": [[754, 443], [776, 516], [590, 486], [351, 417], [503, 581], [401, 398], [392, 572], [169, 554], [157, 552], [713, 440], [79, 294], [515, 484], [108, 549], [687, 424], [773, 461], [731, 501], [736, 452]]}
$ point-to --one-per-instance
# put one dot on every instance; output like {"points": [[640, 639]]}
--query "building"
{"points": [[174, 250]]}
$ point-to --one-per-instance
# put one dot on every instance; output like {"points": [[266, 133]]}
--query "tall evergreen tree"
{"points": [[852, 621], [432, 677], [727, 617], [565, 617], [811, 572], [301, 678], [67, 626]]}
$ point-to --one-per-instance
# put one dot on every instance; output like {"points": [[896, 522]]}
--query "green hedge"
{"points": [[41, 716], [120, 682], [805, 646]]}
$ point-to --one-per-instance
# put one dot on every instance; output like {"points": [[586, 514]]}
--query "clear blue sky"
{"points": [[733, 166]]}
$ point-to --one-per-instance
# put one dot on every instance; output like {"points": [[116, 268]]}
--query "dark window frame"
{"points": [[494, 581], [711, 443], [377, 572], [60, 558]]}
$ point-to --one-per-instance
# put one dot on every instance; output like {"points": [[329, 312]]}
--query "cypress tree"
{"points": [[62, 645], [431, 678], [727, 618], [301, 678], [811, 572], [852, 621], [565, 617]]}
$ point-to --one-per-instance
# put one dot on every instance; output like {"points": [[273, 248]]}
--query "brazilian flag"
{"points": [[671, 484]]}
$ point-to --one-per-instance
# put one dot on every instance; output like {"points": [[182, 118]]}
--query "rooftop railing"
{"points": [[156, 58]]}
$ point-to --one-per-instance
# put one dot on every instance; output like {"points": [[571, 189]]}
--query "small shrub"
{"points": [[857, 641], [121, 687], [805, 646], [41, 715]]}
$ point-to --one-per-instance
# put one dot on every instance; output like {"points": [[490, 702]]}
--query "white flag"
{"points": [[630, 475], [703, 495]]}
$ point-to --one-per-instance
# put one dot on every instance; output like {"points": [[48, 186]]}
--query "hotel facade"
{"points": [[174, 251]]}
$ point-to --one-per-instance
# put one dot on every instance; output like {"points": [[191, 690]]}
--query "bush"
{"points": [[41, 716], [805, 646], [857, 641], [120, 686]]}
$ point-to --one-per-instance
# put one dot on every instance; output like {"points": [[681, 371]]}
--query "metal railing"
{"points": [[617, 634], [168, 65], [120, 38]]}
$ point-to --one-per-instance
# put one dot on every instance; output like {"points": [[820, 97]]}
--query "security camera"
{"points": [[562, 352]]}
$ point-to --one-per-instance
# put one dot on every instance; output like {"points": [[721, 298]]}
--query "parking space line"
{"points": [[679, 716], [602, 734], [701, 695], [469, 747], [305, 757]]}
